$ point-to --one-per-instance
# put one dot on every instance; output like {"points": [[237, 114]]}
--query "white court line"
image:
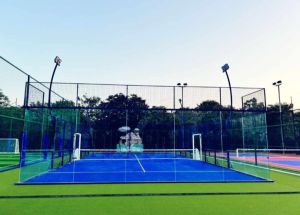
{"points": [[140, 163], [286, 172], [266, 168], [148, 171], [129, 159], [8, 166]]}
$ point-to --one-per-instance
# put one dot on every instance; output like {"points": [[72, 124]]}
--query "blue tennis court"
{"points": [[140, 168]]}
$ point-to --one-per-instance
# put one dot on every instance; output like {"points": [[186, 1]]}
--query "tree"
{"points": [[92, 113], [92, 102], [211, 119], [11, 118], [209, 105], [252, 104], [121, 110], [106, 116], [157, 128], [284, 107], [63, 103], [281, 124], [4, 101]]}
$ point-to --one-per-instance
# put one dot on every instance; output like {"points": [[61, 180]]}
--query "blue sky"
{"points": [[154, 42]]}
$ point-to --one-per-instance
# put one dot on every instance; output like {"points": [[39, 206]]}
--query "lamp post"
{"points": [[181, 114], [57, 62], [225, 68], [181, 100], [278, 84]]}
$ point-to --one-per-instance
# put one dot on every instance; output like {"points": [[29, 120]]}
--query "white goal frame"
{"points": [[17, 147], [194, 146], [76, 151]]}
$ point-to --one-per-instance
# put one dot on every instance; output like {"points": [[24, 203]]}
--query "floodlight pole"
{"points": [[181, 100], [278, 84], [181, 113], [57, 62], [224, 69], [181, 97]]}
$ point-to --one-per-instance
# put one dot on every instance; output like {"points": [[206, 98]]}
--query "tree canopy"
{"points": [[209, 105], [4, 101]]}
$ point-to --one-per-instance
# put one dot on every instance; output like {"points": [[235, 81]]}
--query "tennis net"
{"points": [[240, 152], [145, 154]]}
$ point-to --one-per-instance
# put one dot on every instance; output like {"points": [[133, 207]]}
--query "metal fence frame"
{"points": [[172, 88]]}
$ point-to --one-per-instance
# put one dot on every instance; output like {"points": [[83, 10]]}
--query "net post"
{"points": [[215, 156], [70, 155], [62, 157], [228, 160], [255, 155], [52, 159]]}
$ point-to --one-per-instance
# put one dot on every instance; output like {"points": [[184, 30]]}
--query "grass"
{"points": [[8, 160], [227, 203], [241, 166], [156, 205]]}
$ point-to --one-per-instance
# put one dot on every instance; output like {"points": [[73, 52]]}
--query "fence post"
{"points": [[255, 155], [174, 104], [62, 157], [26, 93], [294, 129]]}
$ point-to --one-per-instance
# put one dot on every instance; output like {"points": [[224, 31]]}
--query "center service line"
{"points": [[140, 163]]}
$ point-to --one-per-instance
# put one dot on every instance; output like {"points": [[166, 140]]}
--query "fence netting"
{"points": [[91, 133]]}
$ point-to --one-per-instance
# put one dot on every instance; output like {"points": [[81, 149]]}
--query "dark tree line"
{"points": [[98, 120]]}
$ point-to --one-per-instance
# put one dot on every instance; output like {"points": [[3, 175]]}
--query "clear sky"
{"points": [[155, 42]]}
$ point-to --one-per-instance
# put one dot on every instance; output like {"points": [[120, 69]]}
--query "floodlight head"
{"points": [[185, 84], [57, 60], [178, 84], [277, 83], [225, 67]]}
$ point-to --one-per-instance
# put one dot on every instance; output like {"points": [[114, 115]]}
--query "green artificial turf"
{"points": [[185, 205], [225, 203], [8, 160]]}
